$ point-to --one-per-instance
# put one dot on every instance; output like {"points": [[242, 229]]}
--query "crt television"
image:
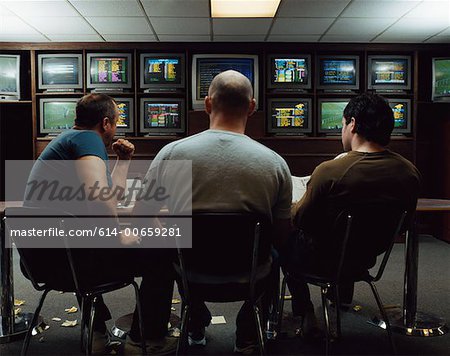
{"points": [[56, 114], [289, 116], [60, 71], [206, 66], [441, 79], [162, 71], [330, 115], [289, 72], [162, 116], [125, 123], [9, 77], [336, 73], [108, 71], [389, 72], [402, 115]]}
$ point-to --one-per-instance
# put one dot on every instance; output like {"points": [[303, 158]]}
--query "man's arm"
{"points": [[124, 150]]}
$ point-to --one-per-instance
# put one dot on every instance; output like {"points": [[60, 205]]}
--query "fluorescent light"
{"points": [[244, 8]]}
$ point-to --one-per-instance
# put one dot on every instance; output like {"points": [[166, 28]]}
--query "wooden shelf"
{"points": [[19, 102]]}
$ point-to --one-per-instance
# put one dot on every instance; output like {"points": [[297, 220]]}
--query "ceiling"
{"points": [[376, 21]]}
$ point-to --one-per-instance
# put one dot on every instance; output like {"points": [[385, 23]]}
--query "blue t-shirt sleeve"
{"points": [[88, 143]]}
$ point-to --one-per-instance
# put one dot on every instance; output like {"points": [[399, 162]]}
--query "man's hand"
{"points": [[124, 149]]}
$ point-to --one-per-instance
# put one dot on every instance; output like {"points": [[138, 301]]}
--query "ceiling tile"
{"points": [[300, 26], [251, 38], [108, 8], [350, 26], [398, 38], [5, 12], [22, 38], [177, 26], [184, 38], [446, 32], [439, 39], [120, 25], [390, 9], [75, 38], [130, 38], [61, 25], [241, 26], [176, 8], [14, 25], [431, 9], [293, 38], [311, 8], [417, 27], [347, 38], [40, 8]]}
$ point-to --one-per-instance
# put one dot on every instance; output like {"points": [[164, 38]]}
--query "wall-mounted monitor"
{"points": [[162, 116], [60, 71], [125, 123], [402, 115], [389, 73], [441, 79], [9, 77], [289, 116], [338, 73], [56, 114], [330, 113], [206, 66], [108, 71], [289, 72], [162, 71]]}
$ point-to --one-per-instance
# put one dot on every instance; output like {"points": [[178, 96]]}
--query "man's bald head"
{"points": [[231, 93]]}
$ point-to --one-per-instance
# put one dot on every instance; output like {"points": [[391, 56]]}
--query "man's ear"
{"points": [[352, 125], [105, 123], [252, 107], [208, 104]]}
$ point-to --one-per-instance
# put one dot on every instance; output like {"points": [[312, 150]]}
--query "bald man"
{"points": [[230, 172]]}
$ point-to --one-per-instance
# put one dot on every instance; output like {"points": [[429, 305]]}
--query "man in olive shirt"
{"points": [[368, 174]]}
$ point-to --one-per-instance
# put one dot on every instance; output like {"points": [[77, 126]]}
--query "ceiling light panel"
{"points": [[240, 8]]}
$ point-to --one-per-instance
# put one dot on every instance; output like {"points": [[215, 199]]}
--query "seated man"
{"points": [[368, 173], [230, 172]]}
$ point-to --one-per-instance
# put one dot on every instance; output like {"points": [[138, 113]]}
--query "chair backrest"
{"points": [[363, 233], [223, 242]]}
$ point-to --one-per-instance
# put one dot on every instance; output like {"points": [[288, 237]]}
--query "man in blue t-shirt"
{"points": [[85, 145]]}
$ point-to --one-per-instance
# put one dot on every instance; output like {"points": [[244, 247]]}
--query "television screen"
{"points": [[289, 72], [108, 70], [162, 71], [206, 66], [441, 79], [289, 116], [389, 72], [402, 115], [57, 71], [57, 115], [331, 112], [162, 116], [126, 115], [338, 72], [9, 77]]}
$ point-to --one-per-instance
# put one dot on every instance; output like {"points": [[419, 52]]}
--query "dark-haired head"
{"points": [[93, 108], [374, 119]]}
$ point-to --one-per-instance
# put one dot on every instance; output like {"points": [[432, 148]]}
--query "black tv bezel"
{"points": [[333, 132], [160, 86], [371, 59], [42, 56], [130, 101], [43, 130], [100, 86], [292, 86], [161, 131], [288, 131], [434, 96], [408, 129], [337, 87]]}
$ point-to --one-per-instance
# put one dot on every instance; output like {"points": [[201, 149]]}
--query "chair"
{"points": [[63, 264], [229, 249], [351, 228]]}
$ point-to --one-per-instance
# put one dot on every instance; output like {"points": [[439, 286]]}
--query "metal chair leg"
{"points": [[90, 331], [338, 311], [141, 319], [384, 316], [281, 305], [26, 342], [183, 340], [259, 330], [326, 319]]}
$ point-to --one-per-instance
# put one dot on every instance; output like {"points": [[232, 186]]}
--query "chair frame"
{"points": [[252, 296], [88, 297], [333, 284]]}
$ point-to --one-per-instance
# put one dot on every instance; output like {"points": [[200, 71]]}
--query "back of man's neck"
{"points": [[236, 125]]}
